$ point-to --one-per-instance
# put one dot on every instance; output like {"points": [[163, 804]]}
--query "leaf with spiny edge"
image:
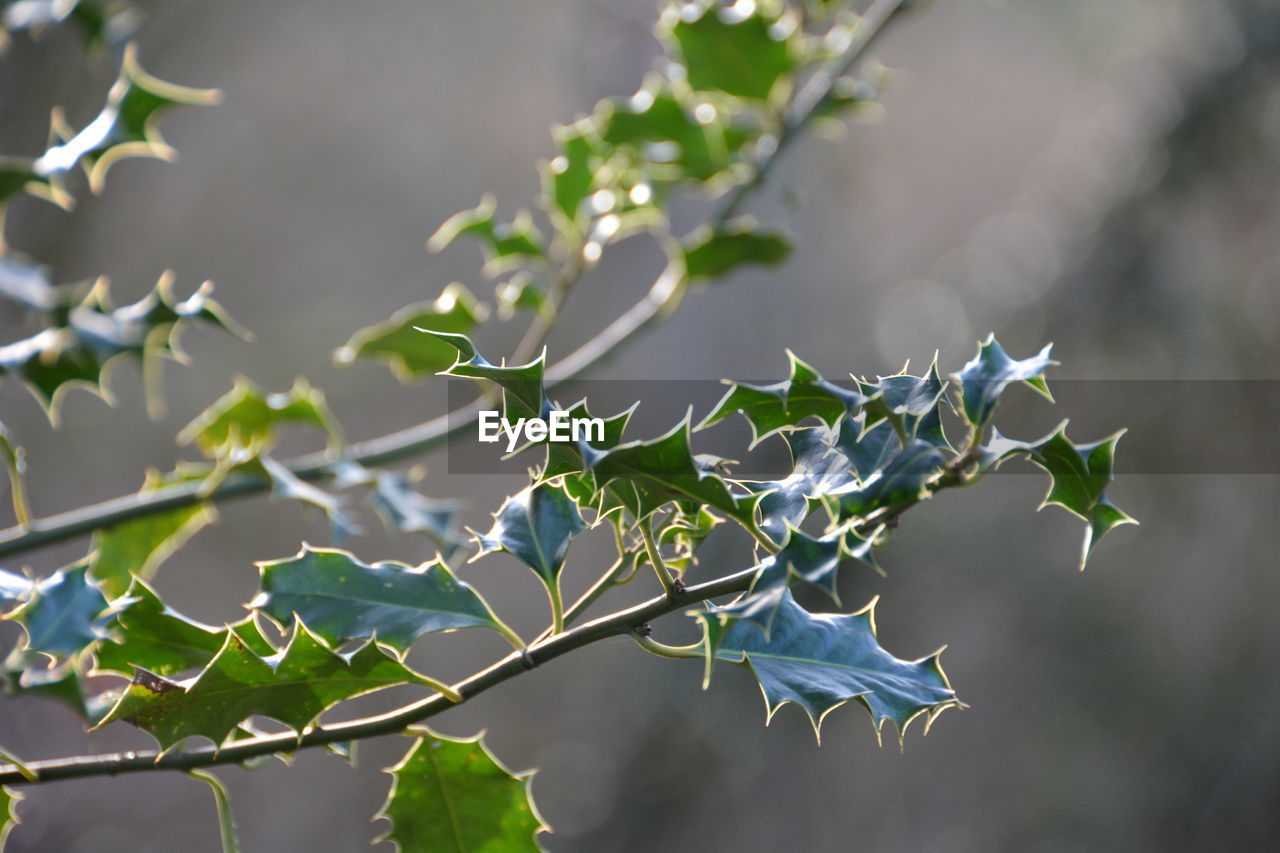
{"points": [[411, 355], [523, 395], [1079, 476], [906, 477], [911, 404], [814, 560], [65, 614], [535, 526], [988, 373], [818, 468], [293, 687], [152, 636], [137, 547], [9, 799], [126, 125], [246, 417], [662, 470], [710, 253], [772, 408], [341, 598], [819, 661], [743, 51], [517, 243], [452, 793], [26, 675], [79, 352]]}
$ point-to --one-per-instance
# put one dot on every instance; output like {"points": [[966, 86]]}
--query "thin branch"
{"points": [[663, 296]]}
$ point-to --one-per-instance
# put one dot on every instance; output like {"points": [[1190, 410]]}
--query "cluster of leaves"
{"points": [[863, 452], [325, 626]]}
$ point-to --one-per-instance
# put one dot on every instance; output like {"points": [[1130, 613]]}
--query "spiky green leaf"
{"points": [[710, 253], [819, 661], [536, 526], [293, 687], [412, 355], [452, 794], [341, 598], [986, 376]]}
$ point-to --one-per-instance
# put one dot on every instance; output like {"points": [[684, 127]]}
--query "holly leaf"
{"points": [[818, 469], [570, 176], [154, 637], [452, 794], [772, 408], [711, 253], [411, 355], [661, 470], [9, 800], [246, 418], [742, 53], [658, 130], [813, 560], [1079, 475], [517, 243], [137, 547], [341, 598], [912, 404], [286, 484], [985, 377], [819, 661], [293, 687], [93, 334], [65, 614], [521, 385], [906, 477], [126, 126], [536, 526]]}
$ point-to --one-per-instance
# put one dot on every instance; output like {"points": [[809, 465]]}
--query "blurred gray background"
{"points": [[1098, 174]]}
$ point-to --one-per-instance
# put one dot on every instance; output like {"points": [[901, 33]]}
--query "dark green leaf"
{"points": [[154, 637], [984, 378], [659, 132], [66, 614], [822, 660], [569, 177], [453, 794], [724, 48], [246, 418], [137, 547], [94, 334], [521, 385], [712, 253], [535, 526], [411, 354], [294, 687], [661, 470], [818, 469], [124, 128], [1079, 473], [905, 478], [340, 598], [515, 244], [772, 408]]}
